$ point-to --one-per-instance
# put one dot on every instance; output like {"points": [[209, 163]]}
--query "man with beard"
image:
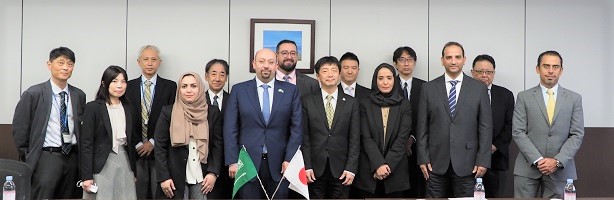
{"points": [[287, 57]]}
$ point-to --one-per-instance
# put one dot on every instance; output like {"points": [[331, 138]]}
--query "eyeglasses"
{"points": [[404, 60], [483, 72], [286, 53], [554, 67]]}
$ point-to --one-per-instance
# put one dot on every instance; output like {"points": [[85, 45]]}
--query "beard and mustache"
{"points": [[288, 67]]}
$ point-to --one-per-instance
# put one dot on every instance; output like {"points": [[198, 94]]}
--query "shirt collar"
{"points": [[555, 89], [334, 94], [408, 81], [459, 78], [344, 86], [219, 94], [280, 75], [56, 89], [259, 83], [153, 79]]}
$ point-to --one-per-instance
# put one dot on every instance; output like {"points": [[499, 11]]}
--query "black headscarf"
{"points": [[385, 99]]}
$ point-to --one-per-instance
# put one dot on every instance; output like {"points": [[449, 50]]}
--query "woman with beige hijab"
{"points": [[188, 148]]}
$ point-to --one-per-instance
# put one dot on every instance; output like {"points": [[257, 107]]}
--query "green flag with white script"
{"points": [[246, 171]]}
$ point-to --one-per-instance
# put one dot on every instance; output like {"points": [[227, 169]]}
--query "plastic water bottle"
{"points": [[8, 190], [570, 190], [479, 192]]}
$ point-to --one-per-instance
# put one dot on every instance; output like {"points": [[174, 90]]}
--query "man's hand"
{"points": [[410, 143], [348, 176], [547, 166], [426, 168], [145, 149], [493, 148], [167, 187], [479, 171], [383, 171], [311, 177], [87, 184], [232, 170], [284, 165], [208, 183]]}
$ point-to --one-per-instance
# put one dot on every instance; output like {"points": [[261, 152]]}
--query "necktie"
{"points": [[145, 104], [330, 112], [266, 113], [66, 145], [287, 78], [215, 103], [405, 90], [550, 105], [452, 98]]}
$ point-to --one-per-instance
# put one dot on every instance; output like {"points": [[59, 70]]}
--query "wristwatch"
{"points": [[559, 164]]}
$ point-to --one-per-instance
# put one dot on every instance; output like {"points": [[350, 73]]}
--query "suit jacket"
{"points": [[536, 138], [164, 94], [375, 151], [245, 125], [306, 84], [339, 145], [502, 105], [97, 139], [171, 161], [225, 96], [465, 140], [32, 115], [414, 100], [359, 92]]}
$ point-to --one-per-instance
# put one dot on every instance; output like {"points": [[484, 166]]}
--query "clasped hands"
{"points": [[479, 171], [547, 166]]}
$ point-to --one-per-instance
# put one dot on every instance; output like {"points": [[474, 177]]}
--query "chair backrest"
{"points": [[22, 176]]}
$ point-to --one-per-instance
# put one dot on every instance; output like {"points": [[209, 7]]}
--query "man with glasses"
{"points": [[404, 59], [548, 127], [502, 106], [287, 57]]}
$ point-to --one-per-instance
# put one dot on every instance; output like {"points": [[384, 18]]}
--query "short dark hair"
{"points": [[331, 60], [220, 61], [62, 51], [397, 53], [452, 43], [107, 77], [549, 53], [284, 42], [484, 57], [349, 56]]}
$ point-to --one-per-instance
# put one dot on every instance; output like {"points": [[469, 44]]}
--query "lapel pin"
{"points": [[343, 99], [280, 90]]}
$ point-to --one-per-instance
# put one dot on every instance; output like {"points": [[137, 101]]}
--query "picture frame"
{"points": [[266, 33]]}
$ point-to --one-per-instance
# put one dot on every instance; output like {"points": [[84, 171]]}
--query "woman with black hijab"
{"points": [[385, 125]]}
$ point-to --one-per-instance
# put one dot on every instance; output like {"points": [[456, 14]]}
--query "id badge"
{"points": [[67, 138]]}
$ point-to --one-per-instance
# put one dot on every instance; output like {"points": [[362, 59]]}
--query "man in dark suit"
{"points": [[264, 115], [148, 94], [502, 106], [46, 130], [287, 57], [216, 75], [454, 128], [405, 59], [331, 141], [350, 67]]}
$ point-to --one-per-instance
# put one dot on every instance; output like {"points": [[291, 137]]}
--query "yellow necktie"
{"points": [[550, 105], [330, 112]]}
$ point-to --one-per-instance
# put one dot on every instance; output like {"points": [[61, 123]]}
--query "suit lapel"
{"points": [[392, 119], [440, 83], [561, 99], [376, 111], [339, 108], [278, 97], [539, 98], [128, 114], [105, 118], [158, 90], [47, 102], [319, 105], [462, 95], [74, 101], [252, 94]]}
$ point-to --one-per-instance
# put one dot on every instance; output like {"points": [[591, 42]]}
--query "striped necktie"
{"points": [[66, 145], [452, 98], [145, 107]]}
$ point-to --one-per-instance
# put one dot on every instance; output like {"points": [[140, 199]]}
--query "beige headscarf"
{"points": [[189, 119]]}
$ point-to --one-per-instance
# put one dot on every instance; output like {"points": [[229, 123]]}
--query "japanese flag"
{"points": [[295, 173]]}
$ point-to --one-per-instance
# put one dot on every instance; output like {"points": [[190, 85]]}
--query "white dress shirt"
{"points": [[459, 84], [271, 90], [53, 137], [220, 98]]}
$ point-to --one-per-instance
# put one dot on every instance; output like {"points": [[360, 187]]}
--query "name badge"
{"points": [[67, 138]]}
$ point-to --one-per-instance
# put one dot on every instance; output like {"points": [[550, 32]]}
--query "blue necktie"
{"points": [[66, 145], [452, 98], [266, 113]]}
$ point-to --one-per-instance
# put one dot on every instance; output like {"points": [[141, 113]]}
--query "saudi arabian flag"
{"points": [[246, 171]]}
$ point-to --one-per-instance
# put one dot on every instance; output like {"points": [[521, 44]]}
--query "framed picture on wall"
{"points": [[266, 33]]}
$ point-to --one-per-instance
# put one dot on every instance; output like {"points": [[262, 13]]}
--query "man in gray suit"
{"points": [[46, 130], [287, 57], [454, 128], [548, 127]]}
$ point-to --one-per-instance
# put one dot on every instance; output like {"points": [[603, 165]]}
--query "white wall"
{"points": [[189, 33]]}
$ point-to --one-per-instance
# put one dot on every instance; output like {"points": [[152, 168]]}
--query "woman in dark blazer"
{"points": [[107, 153], [188, 142], [383, 166]]}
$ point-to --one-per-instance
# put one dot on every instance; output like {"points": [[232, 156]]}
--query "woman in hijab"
{"points": [[188, 142], [106, 148], [385, 125]]}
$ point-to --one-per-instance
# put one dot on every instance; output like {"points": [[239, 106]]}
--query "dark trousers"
{"points": [[253, 190], [493, 180], [146, 183], [380, 192], [328, 187], [416, 179], [223, 186], [449, 185], [56, 176]]}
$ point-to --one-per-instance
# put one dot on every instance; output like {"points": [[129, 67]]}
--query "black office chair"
{"points": [[22, 176]]}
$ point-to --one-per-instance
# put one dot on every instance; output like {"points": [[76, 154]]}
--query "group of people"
{"points": [[150, 137]]}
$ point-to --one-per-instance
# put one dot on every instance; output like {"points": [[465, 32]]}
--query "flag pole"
{"points": [[259, 180], [281, 180]]}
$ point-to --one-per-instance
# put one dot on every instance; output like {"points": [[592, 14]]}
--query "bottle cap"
{"points": [[9, 178], [569, 180], [479, 180]]}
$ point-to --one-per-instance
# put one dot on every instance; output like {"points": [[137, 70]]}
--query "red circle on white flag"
{"points": [[302, 176]]}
